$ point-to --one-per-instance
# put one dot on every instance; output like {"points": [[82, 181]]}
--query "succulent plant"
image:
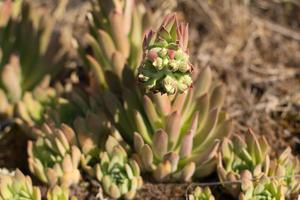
{"points": [[92, 132], [175, 137], [238, 155], [193, 122], [286, 167], [59, 193], [118, 174], [54, 157], [97, 139], [17, 186], [262, 188], [166, 67], [28, 57], [201, 194], [115, 38]]}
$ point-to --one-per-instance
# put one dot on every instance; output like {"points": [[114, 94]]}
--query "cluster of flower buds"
{"points": [[166, 67]]}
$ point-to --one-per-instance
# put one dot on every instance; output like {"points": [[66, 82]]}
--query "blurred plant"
{"points": [[287, 167], [119, 175], [54, 156], [17, 186], [262, 188], [71, 102], [32, 108], [175, 136], [59, 193], [115, 38], [36, 106], [28, 57], [29, 33], [238, 155], [201, 194], [166, 67]]}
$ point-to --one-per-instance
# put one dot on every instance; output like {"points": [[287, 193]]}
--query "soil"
{"points": [[254, 48]]}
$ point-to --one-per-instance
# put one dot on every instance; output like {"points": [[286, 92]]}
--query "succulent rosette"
{"points": [[17, 186], [175, 137], [286, 167], [201, 194], [262, 188], [238, 156], [118, 174], [54, 157], [92, 132], [166, 67]]}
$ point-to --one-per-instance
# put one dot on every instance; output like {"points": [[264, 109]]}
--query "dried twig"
{"points": [[213, 16], [277, 28]]}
